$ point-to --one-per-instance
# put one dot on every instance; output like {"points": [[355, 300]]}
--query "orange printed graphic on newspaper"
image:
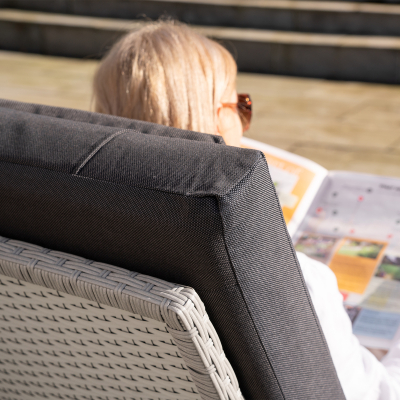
{"points": [[355, 261], [291, 182]]}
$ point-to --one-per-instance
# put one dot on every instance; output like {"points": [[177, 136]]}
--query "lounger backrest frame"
{"points": [[160, 331]]}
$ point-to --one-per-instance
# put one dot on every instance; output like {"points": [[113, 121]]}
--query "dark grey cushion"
{"points": [[187, 211], [108, 120]]}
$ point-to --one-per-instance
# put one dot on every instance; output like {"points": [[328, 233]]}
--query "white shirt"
{"points": [[360, 373]]}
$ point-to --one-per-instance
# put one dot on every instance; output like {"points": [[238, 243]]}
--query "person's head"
{"points": [[168, 74]]}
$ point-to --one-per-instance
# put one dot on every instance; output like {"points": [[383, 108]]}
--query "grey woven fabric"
{"points": [[108, 120], [193, 212], [137, 336]]}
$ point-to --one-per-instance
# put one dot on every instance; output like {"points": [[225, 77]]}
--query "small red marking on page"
{"points": [[319, 209], [352, 230], [345, 295], [360, 198]]}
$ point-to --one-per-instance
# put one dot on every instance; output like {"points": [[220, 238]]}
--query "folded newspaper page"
{"points": [[351, 224]]}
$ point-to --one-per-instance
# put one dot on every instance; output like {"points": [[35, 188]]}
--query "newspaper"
{"points": [[350, 222]]}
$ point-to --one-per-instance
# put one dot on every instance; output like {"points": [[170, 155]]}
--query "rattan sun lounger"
{"points": [[148, 205]]}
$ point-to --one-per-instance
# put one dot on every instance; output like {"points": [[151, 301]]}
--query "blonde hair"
{"points": [[165, 73]]}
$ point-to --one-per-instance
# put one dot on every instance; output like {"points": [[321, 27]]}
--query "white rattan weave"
{"points": [[71, 328]]}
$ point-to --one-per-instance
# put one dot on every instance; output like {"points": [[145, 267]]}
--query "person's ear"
{"points": [[218, 120]]}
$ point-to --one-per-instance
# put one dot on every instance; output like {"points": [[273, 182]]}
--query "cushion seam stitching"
{"points": [[188, 194], [96, 150]]}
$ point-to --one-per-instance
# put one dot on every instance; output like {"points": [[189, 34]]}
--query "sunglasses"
{"points": [[243, 107]]}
